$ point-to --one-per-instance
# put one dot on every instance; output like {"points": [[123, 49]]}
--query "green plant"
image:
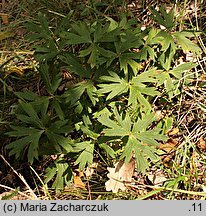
{"points": [[37, 128], [108, 106]]}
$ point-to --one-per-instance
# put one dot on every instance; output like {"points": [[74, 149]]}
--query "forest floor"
{"points": [[183, 166]]}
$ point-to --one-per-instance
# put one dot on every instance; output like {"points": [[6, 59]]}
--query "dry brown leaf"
{"points": [[78, 182], [169, 146], [159, 115], [173, 131], [118, 176], [157, 177], [202, 144], [5, 34], [5, 18]]}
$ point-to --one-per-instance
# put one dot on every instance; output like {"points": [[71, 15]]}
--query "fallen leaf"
{"points": [[169, 146], [118, 176], [173, 131], [78, 182], [203, 188], [17, 70], [6, 34], [169, 149], [5, 18], [202, 144], [157, 177], [90, 170], [159, 115], [167, 159]]}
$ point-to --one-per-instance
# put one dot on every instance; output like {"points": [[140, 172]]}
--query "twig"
{"points": [[18, 53], [89, 189], [20, 176]]}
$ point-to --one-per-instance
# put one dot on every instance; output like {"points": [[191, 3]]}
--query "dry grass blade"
{"points": [[21, 177], [19, 192]]}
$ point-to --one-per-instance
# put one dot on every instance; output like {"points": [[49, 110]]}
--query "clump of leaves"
{"points": [[96, 112]]}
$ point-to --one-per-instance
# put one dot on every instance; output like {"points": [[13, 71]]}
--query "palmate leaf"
{"points": [[148, 76], [147, 137], [94, 36], [74, 94], [19, 131], [153, 37], [60, 127], [44, 72], [86, 156], [162, 17], [108, 149], [182, 68], [51, 82], [128, 59], [142, 153], [39, 103], [55, 140], [150, 40], [129, 39], [74, 65], [104, 33], [27, 95], [169, 78], [120, 128], [142, 123], [135, 96], [97, 55], [36, 115], [138, 89], [31, 115], [166, 58], [135, 136], [55, 103], [186, 44], [56, 134], [88, 132], [29, 142], [170, 87], [166, 40], [134, 146], [47, 52], [41, 31], [117, 87], [143, 89], [135, 87], [93, 54], [168, 48], [80, 34], [62, 173], [31, 138]]}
